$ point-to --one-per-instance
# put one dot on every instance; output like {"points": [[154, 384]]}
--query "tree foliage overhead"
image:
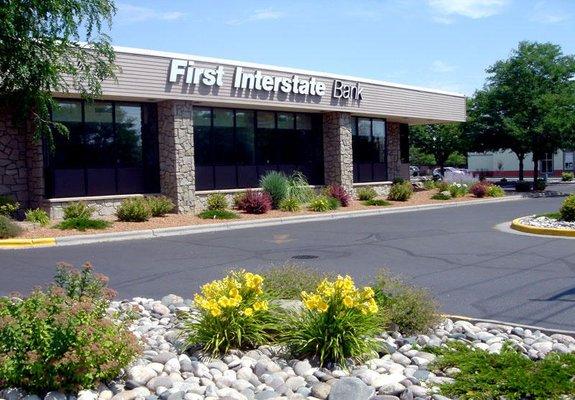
{"points": [[52, 46], [527, 103]]}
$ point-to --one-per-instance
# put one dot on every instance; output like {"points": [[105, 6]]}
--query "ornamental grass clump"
{"points": [[8, 228], [291, 204], [276, 184], [233, 314], [495, 191], [458, 189], [37, 216], [61, 338], [323, 203], [160, 205], [366, 193], [298, 187], [339, 322], [78, 210], [400, 191]]}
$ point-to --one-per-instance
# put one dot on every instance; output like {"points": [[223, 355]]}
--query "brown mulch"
{"points": [[179, 220]]}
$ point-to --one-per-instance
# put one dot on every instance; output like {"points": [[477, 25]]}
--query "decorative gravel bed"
{"points": [[546, 222], [401, 371]]}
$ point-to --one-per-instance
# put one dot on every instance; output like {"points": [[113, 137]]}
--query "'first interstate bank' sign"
{"points": [[255, 80]]}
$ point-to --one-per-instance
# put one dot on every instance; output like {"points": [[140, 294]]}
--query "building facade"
{"points": [[186, 126], [505, 164]]}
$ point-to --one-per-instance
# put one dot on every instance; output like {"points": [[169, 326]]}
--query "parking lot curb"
{"points": [[518, 226], [225, 226], [24, 243]]}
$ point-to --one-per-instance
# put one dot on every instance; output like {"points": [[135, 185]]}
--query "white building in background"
{"points": [[505, 164]]}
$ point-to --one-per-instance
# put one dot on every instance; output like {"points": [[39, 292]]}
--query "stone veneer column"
{"points": [[176, 142], [393, 151], [337, 149]]}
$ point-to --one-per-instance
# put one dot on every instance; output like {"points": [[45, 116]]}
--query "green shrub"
{"points": [[338, 322], [323, 203], [8, 228], [288, 281], [398, 181], [523, 186], [494, 191], [291, 204], [217, 201], [37, 216], [78, 210], [400, 191], [160, 205], [445, 195], [218, 214], [275, 184], [298, 187], [508, 375], [134, 209], [442, 186], [233, 313], [429, 184], [366, 193], [61, 338], [407, 308], [567, 210], [82, 224], [567, 176], [8, 206], [458, 189], [239, 199], [377, 202], [539, 184]]}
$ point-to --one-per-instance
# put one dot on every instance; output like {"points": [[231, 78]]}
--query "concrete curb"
{"points": [[518, 226], [547, 331], [26, 243], [225, 226]]}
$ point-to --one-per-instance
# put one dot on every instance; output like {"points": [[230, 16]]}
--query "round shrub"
{"points": [[400, 191], [291, 204], [160, 205], [377, 202], [479, 189], [567, 210], [217, 201], [338, 192], [238, 200], [366, 193], [134, 209], [338, 322], [78, 210], [61, 338], [256, 202], [81, 224], [458, 189], [8, 206], [321, 204], [567, 176], [37, 216], [495, 191], [233, 313], [523, 186], [276, 185], [8, 228], [445, 195], [539, 184]]}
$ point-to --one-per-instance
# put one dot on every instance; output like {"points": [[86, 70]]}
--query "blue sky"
{"points": [[442, 44]]}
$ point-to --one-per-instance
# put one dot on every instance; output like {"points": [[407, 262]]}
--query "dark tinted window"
{"points": [[369, 149]]}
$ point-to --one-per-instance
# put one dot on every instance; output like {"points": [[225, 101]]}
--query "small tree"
{"points": [[441, 141], [527, 104], [49, 46]]}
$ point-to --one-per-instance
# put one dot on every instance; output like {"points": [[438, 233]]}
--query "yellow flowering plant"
{"points": [[338, 322], [233, 312]]}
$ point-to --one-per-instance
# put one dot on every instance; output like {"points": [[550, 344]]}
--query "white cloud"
{"points": [[545, 13], [258, 15], [128, 13], [444, 10], [442, 67]]}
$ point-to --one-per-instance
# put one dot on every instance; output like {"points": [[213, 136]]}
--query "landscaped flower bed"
{"points": [[406, 366], [562, 220]]}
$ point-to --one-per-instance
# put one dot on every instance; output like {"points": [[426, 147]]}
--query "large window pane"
{"points": [[266, 119], [202, 117], [223, 137], [363, 127], [368, 140], [245, 138], [378, 128], [99, 135], [285, 121], [129, 135], [303, 121], [223, 118], [68, 111]]}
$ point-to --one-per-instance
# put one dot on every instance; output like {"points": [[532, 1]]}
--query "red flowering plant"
{"points": [[61, 338], [256, 202], [338, 192]]}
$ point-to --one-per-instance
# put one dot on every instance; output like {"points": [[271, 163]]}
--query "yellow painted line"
{"points": [[16, 243], [518, 226]]}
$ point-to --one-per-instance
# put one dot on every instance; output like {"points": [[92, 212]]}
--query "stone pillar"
{"points": [[13, 172], [337, 149], [35, 170], [176, 145], [393, 151]]}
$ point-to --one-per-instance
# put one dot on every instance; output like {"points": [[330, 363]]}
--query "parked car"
{"points": [[448, 170], [413, 170]]}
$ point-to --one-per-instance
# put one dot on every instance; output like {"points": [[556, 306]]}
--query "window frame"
{"points": [[372, 163]]}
